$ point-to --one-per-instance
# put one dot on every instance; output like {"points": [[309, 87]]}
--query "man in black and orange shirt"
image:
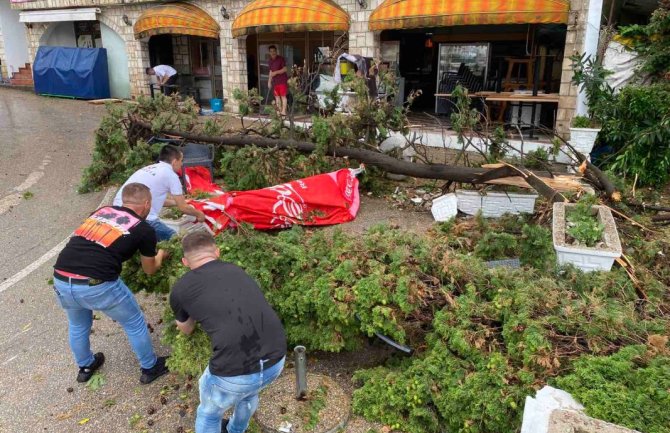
{"points": [[86, 278]]}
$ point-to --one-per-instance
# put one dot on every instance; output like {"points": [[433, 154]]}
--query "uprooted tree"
{"points": [[359, 135]]}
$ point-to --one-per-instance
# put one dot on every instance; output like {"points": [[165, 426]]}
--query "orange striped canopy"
{"points": [[262, 16], [176, 19], [408, 14]]}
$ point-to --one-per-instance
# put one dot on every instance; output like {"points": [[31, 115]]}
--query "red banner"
{"points": [[324, 199]]}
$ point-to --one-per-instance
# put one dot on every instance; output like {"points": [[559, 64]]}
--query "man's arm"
{"points": [[278, 71], [187, 208], [186, 327], [151, 264]]}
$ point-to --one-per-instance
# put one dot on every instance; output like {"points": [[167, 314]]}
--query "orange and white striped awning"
{"points": [[263, 16], [409, 14], [176, 19]]}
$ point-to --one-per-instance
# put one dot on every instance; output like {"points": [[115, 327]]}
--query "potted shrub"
{"points": [[583, 134], [590, 76], [585, 235]]}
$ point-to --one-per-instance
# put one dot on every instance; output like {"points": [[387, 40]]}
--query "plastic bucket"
{"points": [[216, 104]]}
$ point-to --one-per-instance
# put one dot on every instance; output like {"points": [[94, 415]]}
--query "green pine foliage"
{"points": [[117, 153], [630, 387], [484, 338]]}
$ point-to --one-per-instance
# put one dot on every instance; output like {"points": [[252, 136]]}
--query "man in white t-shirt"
{"points": [[165, 75], [162, 179]]}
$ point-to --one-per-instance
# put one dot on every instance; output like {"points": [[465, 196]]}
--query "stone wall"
{"points": [[3, 60], [574, 43]]}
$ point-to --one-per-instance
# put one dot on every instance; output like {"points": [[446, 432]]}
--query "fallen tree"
{"points": [[471, 175]]}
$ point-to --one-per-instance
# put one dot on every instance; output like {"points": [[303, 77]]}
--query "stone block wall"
{"points": [[3, 60], [362, 41], [181, 53], [574, 43]]}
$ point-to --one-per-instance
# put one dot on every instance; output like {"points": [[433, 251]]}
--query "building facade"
{"points": [[221, 59]]}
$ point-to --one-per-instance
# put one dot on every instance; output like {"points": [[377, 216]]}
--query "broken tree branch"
{"points": [[472, 175]]}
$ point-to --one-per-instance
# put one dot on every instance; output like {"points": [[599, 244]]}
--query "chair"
{"points": [[197, 154]]}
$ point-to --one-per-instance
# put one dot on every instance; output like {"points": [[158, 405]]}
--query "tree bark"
{"points": [[388, 163]]}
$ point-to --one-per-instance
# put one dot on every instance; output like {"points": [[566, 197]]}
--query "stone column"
{"points": [[233, 57], [362, 41], [574, 43], [3, 61]]}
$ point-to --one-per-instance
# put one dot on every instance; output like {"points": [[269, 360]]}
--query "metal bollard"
{"points": [[300, 372]]}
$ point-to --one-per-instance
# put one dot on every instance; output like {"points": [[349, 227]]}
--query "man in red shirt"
{"points": [[278, 79]]}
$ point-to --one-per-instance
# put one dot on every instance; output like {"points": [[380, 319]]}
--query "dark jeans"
{"points": [[170, 82]]}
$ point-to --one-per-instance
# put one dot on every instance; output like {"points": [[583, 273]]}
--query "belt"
{"points": [[73, 280]]}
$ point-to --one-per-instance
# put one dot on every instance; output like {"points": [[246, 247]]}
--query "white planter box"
{"points": [[445, 207], [181, 225], [495, 204], [585, 258], [583, 139]]}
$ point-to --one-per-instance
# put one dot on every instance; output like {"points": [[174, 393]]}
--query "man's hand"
{"points": [[200, 217], [186, 327]]}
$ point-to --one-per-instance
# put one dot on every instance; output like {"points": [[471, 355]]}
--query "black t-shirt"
{"points": [[108, 237], [232, 310]]}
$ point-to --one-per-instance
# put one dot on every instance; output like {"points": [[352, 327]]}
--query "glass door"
{"points": [[452, 57]]}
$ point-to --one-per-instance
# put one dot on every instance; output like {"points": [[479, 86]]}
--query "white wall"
{"points": [[59, 35], [14, 34], [117, 63]]}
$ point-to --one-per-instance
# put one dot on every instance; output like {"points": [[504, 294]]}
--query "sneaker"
{"points": [[224, 425], [85, 373], [153, 373]]}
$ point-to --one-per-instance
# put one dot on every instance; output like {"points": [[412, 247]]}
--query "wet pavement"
{"points": [[44, 145]]}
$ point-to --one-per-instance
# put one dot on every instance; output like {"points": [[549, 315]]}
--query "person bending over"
{"points": [[162, 179], [86, 278], [248, 339]]}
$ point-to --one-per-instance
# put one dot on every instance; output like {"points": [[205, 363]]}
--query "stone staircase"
{"points": [[23, 78]]}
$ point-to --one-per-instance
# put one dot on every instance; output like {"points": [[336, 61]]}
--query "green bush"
{"points": [[638, 129], [630, 387], [115, 156], [484, 339], [581, 122]]}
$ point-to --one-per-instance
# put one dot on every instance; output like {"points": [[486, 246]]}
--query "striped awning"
{"points": [[176, 19], [263, 16], [409, 14]]}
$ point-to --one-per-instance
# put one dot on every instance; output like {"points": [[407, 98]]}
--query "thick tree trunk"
{"points": [[388, 163]]}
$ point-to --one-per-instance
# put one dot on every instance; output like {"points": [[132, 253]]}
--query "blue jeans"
{"points": [[218, 394], [115, 300], [163, 232]]}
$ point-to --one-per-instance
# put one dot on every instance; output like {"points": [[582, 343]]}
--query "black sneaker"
{"points": [[224, 425], [153, 373], [85, 373]]}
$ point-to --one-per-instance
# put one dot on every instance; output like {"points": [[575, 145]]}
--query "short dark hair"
{"points": [[135, 193], [196, 241], [272, 47], [169, 153], [147, 70]]}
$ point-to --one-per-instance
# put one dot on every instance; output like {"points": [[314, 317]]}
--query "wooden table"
{"points": [[520, 98]]}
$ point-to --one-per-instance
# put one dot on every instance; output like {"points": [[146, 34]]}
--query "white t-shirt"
{"points": [[160, 179], [163, 70]]}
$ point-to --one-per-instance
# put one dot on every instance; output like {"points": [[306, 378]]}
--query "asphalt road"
{"points": [[44, 145]]}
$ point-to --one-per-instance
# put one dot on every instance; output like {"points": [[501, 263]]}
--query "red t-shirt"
{"points": [[276, 65]]}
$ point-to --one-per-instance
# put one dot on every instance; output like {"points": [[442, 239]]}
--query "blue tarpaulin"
{"points": [[74, 72]]}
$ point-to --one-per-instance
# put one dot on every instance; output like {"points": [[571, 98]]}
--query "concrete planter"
{"points": [[583, 139], [495, 204], [180, 225], [586, 258]]}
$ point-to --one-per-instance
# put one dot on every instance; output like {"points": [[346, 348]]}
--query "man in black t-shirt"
{"points": [[248, 340], [86, 278]]}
